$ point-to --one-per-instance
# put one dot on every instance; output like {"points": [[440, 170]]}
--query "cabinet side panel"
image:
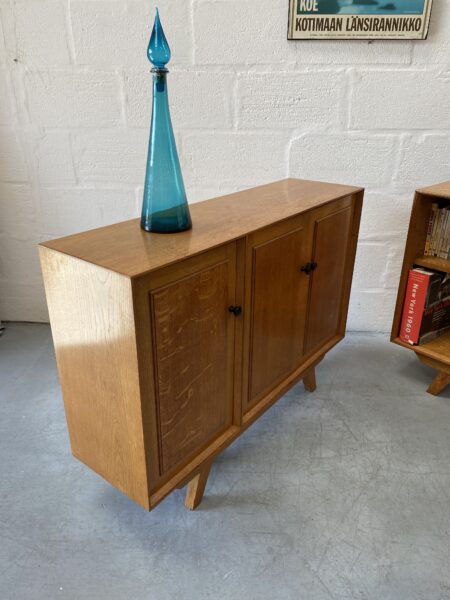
{"points": [[357, 201], [91, 315]]}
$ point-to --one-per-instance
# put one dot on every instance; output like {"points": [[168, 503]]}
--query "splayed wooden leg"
{"points": [[196, 488], [309, 380], [439, 383], [442, 379]]}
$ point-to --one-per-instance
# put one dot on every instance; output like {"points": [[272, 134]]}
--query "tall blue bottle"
{"points": [[164, 208]]}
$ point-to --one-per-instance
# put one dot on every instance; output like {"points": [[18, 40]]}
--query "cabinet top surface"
{"points": [[126, 249], [441, 190]]}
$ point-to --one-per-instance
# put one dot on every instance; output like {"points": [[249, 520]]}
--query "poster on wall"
{"points": [[359, 19]]}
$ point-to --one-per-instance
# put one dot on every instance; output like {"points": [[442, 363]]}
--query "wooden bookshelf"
{"points": [[432, 262], [436, 353]]}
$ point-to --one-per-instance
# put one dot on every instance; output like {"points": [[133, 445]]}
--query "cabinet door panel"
{"points": [[330, 252], [193, 334], [279, 294]]}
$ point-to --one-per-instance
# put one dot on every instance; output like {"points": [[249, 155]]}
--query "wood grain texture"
{"points": [[309, 380], [279, 290], [438, 349], [91, 314], [433, 262], [433, 362], [439, 383], [442, 379], [196, 488], [330, 253], [338, 298], [357, 204], [126, 249], [195, 345], [193, 336], [156, 371], [439, 190]]}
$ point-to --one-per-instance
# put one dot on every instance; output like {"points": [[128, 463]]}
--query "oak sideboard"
{"points": [[170, 345]]}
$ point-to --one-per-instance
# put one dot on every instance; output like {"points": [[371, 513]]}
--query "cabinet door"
{"points": [[193, 354], [278, 298], [331, 248]]}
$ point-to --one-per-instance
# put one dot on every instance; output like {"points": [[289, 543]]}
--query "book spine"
{"points": [[416, 294], [437, 233], [446, 246], [435, 321], [443, 241], [435, 225], [430, 225]]}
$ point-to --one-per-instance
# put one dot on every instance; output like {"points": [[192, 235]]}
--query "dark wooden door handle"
{"points": [[309, 267], [236, 310]]}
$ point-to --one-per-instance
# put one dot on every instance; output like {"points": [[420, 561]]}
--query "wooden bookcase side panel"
{"points": [[415, 245], [414, 254], [91, 315]]}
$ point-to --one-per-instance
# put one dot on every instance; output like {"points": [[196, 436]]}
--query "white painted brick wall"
{"points": [[110, 157], [73, 98], [395, 89], [198, 99], [247, 105], [234, 156], [40, 39], [363, 158], [279, 100]]}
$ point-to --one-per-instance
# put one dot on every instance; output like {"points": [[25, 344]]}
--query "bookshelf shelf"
{"points": [[432, 262], [436, 353], [438, 349]]}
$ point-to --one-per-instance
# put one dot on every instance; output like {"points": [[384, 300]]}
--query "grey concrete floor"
{"points": [[340, 494]]}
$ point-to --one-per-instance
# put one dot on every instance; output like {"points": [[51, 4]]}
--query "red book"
{"points": [[413, 309]]}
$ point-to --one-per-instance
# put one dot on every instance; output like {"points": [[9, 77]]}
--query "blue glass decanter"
{"points": [[164, 208]]}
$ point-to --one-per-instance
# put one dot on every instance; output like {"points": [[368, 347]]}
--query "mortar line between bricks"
{"points": [[228, 68], [70, 39]]}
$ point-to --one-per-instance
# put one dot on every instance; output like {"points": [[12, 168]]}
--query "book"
{"points": [[443, 232], [446, 235], [434, 233], [437, 235], [437, 242], [426, 311], [430, 228]]}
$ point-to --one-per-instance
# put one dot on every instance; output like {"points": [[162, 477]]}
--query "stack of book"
{"points": [[426, 312], [438, 232]]}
